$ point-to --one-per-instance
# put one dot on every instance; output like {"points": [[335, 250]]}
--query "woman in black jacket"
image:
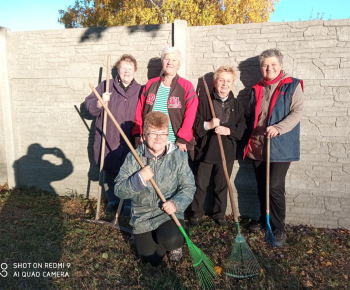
{"points": [[230, 124]]}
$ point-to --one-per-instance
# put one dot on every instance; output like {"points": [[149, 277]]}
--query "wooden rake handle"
{"points": [[103, 139], [233, 206], [268, 175], [131, 148]]}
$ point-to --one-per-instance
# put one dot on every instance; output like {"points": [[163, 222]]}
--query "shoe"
{"points": [[221, 222], [257, 227], [111, 208], [126, 211], [175, 255], [194, 221], [280, 236]]}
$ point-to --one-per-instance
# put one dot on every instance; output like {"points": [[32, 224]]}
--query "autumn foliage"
{"points": [[101, 13]]}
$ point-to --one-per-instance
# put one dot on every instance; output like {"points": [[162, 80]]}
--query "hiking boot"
{"points": [[111, 208], [257, 227], [194, 221], [221, 222], [280, 237], [175, 255]]}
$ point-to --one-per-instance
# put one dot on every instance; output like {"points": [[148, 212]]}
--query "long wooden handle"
{"points": [[233, 206], [132, 149], [268, 175], [103, 143]]}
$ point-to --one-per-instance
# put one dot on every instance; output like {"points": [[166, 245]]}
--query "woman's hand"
{"points": [[169, 207], [146, 173], [182, 147], [271, 132], [215, 122], [105, 97], [221, 130]]}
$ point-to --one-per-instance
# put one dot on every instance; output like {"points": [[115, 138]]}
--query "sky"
{"points": [[24, 15]]}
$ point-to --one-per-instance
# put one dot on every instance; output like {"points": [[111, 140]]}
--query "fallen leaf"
{"points": [[328, 264], [309, 252], [302, 273], [307, 284], [346, 277], [87, 211], [218, 270], [104, 256]]}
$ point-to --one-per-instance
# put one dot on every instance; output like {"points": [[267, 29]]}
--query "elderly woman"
{"points": [[154, 231], [173, 96], [230, 125], [275, 111], [124, 93]]}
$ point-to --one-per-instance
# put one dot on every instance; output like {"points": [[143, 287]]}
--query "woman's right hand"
{"points": [[215, 122], [146, 173], [105, 97]]}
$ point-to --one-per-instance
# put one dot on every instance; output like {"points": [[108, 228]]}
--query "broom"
{"points": [[242, 262], [203, 266], [270, 238]]}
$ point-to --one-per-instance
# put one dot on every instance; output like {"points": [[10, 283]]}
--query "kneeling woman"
{"points": [[154, 231]]}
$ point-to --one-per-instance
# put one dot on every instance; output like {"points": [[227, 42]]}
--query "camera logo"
{"points": [[3, 272]]}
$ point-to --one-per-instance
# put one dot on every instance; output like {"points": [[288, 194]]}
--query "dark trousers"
{"points": [[152, 246], [108, 186], [204, 171], [278, 172]]}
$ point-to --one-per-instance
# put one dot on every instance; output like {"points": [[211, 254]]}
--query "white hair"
{"points": [[169, 49]]}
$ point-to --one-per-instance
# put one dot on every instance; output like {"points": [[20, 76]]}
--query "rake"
{"points": [[270, 238], [97, 220], [203, 266], [242, 262]]}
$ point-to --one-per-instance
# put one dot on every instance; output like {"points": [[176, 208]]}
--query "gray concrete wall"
{"points": [[49, 72]]}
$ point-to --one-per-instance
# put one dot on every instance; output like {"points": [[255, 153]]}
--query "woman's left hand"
{"points": [[221, 130], [182, 147], [169, 207], [271, 132]]}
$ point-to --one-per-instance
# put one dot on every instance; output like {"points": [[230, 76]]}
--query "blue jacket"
{"points": [[285, 147]]}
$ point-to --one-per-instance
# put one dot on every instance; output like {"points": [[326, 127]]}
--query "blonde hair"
{"points": [[224, 68], [157, 120]]}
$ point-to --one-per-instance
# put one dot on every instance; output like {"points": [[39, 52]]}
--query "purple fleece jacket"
{"points": [[123, 106]]}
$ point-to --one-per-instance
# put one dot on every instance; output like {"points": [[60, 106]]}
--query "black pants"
{"points": [[152, 246], [202, 177], [278, 172]]}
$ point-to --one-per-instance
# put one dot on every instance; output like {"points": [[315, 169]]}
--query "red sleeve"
{"points": [[191, 102], [137, 130]]}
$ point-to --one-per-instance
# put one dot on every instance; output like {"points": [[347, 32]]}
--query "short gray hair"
{"points": [[170, 49], [272, 52]]}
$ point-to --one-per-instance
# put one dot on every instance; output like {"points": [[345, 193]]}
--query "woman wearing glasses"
{"points": [[155, 232], [174, 96]]}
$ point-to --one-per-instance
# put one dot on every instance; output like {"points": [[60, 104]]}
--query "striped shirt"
{"points": [[161, 105]]}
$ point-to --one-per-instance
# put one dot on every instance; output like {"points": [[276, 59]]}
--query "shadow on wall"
{"points": [[42, 166], [154, 68], [245, 182], [95, 33]]}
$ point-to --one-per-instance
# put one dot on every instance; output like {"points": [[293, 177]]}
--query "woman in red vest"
{"points": [[275, 111]]}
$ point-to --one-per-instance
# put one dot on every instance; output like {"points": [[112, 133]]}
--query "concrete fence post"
{"points": [[7, 110], [179, 32]]}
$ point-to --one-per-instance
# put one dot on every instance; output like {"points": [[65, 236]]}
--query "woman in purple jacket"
{"points": [[123, 96]]}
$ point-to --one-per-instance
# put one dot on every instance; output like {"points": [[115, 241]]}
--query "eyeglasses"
{"points": [[154, 135]]}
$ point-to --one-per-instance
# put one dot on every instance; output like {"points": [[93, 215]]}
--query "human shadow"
{"points": [[154, 68], [42, 166], [244, 181], [31, 235]]}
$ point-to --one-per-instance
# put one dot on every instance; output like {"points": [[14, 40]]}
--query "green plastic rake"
{"points": [[203, 266], [242, 262]]}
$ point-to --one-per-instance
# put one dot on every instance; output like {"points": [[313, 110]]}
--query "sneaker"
{"points": [[194, 221], [126, 211], [280, 237], [256, 227], [221, 222], [175, 255], [111, 208]]}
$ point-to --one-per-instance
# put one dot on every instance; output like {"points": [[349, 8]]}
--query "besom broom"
{"points": [[242, 262], [203, 266]]}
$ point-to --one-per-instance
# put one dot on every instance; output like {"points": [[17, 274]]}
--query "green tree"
{"points": [[97, 13]]}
